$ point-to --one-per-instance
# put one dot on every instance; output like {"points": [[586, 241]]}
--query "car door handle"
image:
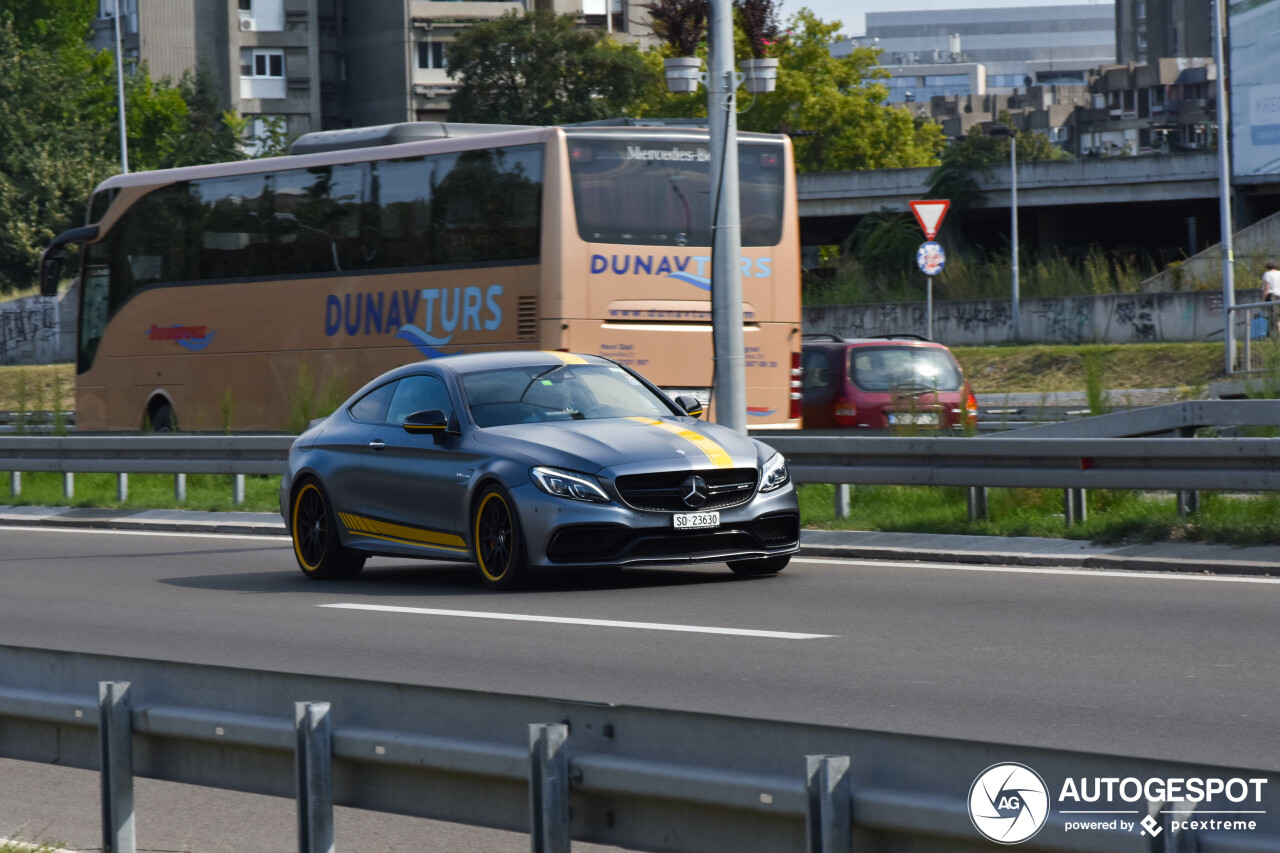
{"points": [[378, 444]]}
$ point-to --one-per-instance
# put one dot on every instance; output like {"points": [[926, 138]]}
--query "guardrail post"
{"points": [[549, 788], [180, 487], [1075, 506], [829, 816], [314, 763], [15, 483], [843, 498], [978, 510], [68, 485], [1188, 499], [122, 487], [237, 489], [115, 746]]}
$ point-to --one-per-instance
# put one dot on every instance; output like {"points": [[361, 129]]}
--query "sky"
{"points": [[853, 12]]}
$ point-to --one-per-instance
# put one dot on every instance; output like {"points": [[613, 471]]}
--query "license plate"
{"points": [[915, 418], [696, 520]]}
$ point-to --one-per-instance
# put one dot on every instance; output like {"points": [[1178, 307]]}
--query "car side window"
{"points": [[418, 394], [816, 374], [373, 406]]}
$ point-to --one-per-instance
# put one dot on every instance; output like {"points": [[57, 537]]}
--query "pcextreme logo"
{"points": [[1009, 803]]}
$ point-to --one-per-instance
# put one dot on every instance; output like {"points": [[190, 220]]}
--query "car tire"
{"points": [[316, 545], [498, 541], [164, 419], [760, 565]]}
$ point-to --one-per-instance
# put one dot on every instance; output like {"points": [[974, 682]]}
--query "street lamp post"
{"points": [[124, 140], [1224, 196], [726, 234], [1013, 229]]}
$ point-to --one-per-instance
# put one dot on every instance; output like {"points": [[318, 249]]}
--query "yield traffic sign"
{"points": [[930, 214]]}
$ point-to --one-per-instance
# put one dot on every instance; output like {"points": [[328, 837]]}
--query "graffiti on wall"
{"points": [[1106, 318], [29, 331]]}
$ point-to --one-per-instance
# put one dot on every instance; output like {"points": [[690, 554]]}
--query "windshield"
{"points": [[658, 193], [904, 368], [538, 393]]}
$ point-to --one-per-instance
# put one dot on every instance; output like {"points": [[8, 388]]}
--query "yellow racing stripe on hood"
{"points": [[718, 455]]}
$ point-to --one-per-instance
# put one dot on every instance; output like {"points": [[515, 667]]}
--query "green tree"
{"points": [[834, 107], [536, 68], [208, 133]]}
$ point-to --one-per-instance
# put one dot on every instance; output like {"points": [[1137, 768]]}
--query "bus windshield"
{"points": [[524, 395], [658, 192]]}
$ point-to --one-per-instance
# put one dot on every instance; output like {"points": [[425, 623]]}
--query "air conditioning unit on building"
{"points": [[246, 25]]}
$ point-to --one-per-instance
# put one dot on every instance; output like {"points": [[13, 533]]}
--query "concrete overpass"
{"points": [[1164, 206]]}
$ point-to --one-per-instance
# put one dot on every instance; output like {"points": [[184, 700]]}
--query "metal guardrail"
{"points": [[1181, 418], [146, 454], [639, 778]]}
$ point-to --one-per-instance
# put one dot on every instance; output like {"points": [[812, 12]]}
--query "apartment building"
{"points": [[326, 64]]}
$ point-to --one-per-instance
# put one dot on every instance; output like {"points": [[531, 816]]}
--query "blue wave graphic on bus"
{"points": [[196, 344], [425, 343], [759, 412], [690, 278]]}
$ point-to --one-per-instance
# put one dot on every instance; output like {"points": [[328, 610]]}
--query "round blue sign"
{"points": [[930, 258]]}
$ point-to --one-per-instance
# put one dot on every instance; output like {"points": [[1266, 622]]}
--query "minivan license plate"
{"points": [[696, 520]]}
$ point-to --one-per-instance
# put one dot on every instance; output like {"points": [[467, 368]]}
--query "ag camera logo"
{"points": [[1008, 803]]}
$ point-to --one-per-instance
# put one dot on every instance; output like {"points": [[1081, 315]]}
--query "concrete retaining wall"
{"points": [[38, 330], [1112, 318], [1251, 247]]}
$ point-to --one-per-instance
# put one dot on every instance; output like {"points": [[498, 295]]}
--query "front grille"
{"points": [[662, 492]]}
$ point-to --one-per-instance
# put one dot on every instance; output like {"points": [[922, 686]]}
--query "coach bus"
{"points": [[213, 296]]}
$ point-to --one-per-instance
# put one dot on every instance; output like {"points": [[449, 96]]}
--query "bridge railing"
{"points": [[639, 778]]}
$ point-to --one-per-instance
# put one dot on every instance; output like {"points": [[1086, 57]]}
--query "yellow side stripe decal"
{"points": [[386, 530], [718, 455], [566, 357]]}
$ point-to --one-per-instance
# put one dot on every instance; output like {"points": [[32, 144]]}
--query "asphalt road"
{"points": [[1165, 666]]}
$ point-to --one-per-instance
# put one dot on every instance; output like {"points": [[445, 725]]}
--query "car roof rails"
{"points": [[903, 336]]}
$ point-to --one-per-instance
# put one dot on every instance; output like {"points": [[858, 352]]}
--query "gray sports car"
{"points": [[528, 461]]}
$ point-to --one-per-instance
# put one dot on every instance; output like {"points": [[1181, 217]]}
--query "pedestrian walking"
{"points": [[1271, 293]]}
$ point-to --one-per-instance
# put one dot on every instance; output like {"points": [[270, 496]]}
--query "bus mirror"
{"points": [[50, 274], [690, 405], [52, 260]]}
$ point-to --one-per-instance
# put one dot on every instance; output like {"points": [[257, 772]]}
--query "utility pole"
{"points": [[726, 240], [1224, 194], [124, 138]]}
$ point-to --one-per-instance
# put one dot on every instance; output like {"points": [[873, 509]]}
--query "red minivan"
{"points": [[883, 383]]}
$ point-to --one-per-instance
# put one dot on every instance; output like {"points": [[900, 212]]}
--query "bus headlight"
{"points": [[568, 484], [775, 474]]}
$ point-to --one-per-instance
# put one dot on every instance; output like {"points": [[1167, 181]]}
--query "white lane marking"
{"points": [[255, 537], [568, 620], [1023, 570]]}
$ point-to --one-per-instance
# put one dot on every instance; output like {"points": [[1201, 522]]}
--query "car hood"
{"points": [[623, 443]]}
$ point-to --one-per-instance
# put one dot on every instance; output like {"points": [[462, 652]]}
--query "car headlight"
{"points": [[775, 474], [568, 484]]}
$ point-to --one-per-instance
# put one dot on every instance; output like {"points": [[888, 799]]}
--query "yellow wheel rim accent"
{"points": [[479, 552], [297, 504]]}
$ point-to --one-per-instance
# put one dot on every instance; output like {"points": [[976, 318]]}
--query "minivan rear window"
{"points": [[904, 368]]}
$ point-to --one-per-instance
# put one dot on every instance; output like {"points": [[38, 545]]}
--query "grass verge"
{"points": [[1113, 516], [205, 492], [1045, 367]]}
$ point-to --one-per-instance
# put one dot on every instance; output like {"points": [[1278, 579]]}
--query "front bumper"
{"points": [[561, 533]]}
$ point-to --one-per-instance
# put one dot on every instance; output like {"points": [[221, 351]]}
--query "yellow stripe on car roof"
{"points": [[566, 357], [718, 455]]}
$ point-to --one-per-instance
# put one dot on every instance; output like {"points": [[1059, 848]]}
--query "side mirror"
{"points": [[53, 256], [433, 421], [690, 405]]}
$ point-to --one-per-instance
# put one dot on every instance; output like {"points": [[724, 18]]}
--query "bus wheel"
{"points": [[499, 544], [163, 419], [760, 566], [316, 546]]}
